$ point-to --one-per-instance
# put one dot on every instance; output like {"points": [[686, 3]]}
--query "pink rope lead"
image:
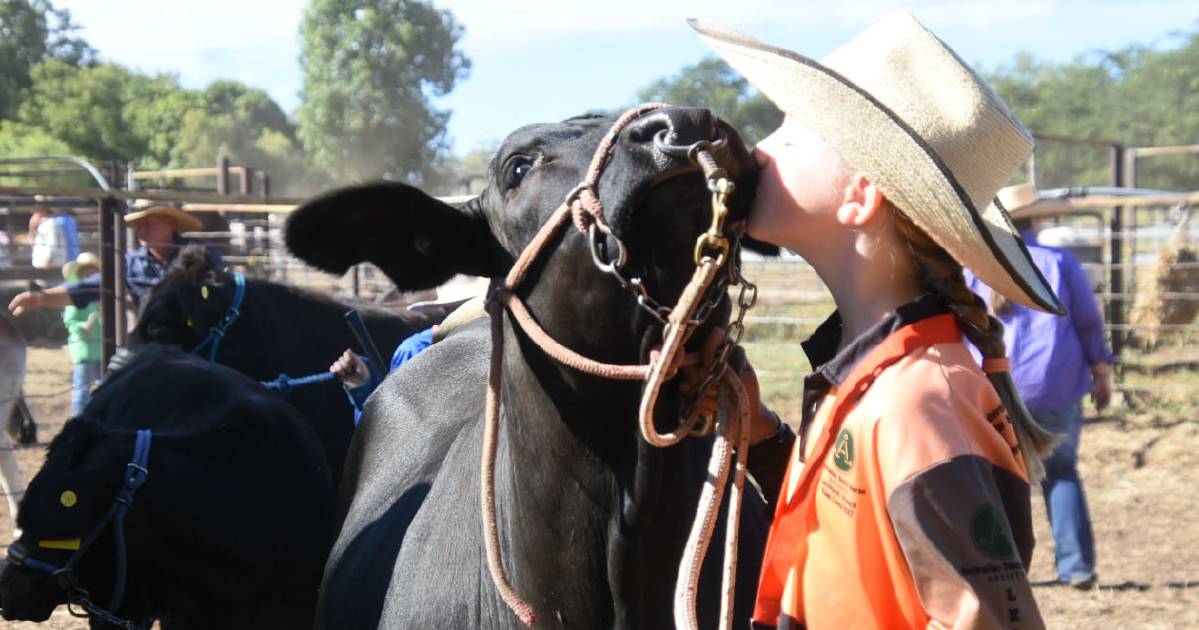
{"points": [[687, 583], [491, 430]]}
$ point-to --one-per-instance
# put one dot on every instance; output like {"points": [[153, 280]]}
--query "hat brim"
{"points": [[1046, 207], [70, 271], [184, 221], [874, 139], [430, 306]]}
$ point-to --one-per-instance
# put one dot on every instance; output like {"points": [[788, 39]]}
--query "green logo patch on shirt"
{"points": [[989, 533], [843, 454]]}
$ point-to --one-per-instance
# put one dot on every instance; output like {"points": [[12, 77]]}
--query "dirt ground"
{"points": [[1138, 469]]}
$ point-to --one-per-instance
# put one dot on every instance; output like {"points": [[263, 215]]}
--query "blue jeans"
{"points": [[1073, 542], [84, 376]]}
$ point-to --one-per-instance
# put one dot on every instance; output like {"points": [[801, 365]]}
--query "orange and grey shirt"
{"points": [[905, 503]]}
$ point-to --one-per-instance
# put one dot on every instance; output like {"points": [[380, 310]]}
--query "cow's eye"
{"points": [[518, 167]]}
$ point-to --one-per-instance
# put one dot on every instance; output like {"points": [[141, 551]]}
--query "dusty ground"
{"points": [[1139, 467]]}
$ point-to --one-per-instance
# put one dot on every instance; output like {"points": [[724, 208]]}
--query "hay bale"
{"points": [[1157, 300]]}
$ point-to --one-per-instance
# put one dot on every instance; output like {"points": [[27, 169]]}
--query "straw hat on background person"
{"points": [[903, 109], [1022, 201], [85, 260], [452, 294], [141, 209]]}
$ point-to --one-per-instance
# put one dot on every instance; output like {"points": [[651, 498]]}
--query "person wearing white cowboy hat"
{"points": [[158, 227], [1056, 362], [83, 333], [462, 296], [905, 501]]}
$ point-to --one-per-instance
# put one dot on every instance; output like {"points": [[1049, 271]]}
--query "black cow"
{"points": [[230, 528], [281, 330], [592, 519]]}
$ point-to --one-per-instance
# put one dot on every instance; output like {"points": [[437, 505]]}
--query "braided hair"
{"points": [[941, 274]]}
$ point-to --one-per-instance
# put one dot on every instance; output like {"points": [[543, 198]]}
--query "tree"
{"points": [[711, 83], [32, 31], [370, 67], [1136, 96], [84, 108]]}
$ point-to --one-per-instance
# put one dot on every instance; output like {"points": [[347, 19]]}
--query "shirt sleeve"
{"points": [[358, 396], [410, 347], [1084, 312], [965, 529], [85, 291]]}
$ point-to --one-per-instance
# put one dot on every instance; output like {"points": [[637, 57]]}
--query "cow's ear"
{"points": [[418, 241]]}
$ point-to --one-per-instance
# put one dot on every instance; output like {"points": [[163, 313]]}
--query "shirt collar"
{"points": [[821, 347]]}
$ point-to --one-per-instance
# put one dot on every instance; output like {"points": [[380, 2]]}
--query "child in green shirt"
{"points": [[83, 334]]}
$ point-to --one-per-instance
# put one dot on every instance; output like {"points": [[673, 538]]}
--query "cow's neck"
{"points": [[575, 484]]}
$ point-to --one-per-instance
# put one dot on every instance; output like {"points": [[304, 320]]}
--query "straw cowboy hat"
{"points": [[184, 221], [1023, 201], [452, 294], [70, 271], [903, 109]]}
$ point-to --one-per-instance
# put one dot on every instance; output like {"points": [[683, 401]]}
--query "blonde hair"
{"points": [[941, 274]]}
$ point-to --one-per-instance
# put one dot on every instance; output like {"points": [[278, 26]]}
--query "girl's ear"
{"points": [[860, 202]]}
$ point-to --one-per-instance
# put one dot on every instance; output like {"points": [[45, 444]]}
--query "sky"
{"points": [[545, 61]]}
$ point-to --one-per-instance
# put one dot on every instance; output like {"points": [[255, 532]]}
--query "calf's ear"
{"points": [[418, 241]]}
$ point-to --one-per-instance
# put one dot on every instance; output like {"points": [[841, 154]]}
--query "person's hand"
{"points": [[91, 322], [350, 370], [24, 302], [1101, 390], [763, 423]]}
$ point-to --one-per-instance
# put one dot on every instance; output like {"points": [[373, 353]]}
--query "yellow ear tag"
{"points": [[66, 544], [67, 498], [190, 323], [204, 292]]}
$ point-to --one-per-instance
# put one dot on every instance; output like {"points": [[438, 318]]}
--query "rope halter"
{"points": [[713, 249]]}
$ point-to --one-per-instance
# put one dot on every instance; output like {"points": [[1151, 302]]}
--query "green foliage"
{"points": [[466, 175], [85, 108], [17, 140], [370, 67], [1136, 97], [711, 83], [32, 31]]}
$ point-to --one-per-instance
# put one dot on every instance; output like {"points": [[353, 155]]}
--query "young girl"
{"points": [[905, 501], [83, 333]]}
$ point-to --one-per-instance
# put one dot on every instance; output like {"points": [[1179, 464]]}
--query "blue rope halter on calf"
{"points": [[134, 476], [217, 332]]}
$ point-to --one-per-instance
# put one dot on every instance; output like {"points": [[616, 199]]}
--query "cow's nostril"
{"points": [[682, 126]]}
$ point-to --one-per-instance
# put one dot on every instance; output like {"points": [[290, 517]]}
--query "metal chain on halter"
{"points": [[747, 297], [715, 241]]}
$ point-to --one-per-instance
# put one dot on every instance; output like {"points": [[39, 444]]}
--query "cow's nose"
{"points": [[674, 128]]}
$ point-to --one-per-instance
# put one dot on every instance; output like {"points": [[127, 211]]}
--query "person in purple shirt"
{"points": [[1056, 361]]}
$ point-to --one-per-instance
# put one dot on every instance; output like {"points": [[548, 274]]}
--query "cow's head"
{"points": [[655, 200], [65, 501], [193, 296]]}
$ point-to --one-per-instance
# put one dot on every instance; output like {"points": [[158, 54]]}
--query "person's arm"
{"points": [[1087, 322], [91, 321], [26, 301], [963, 521], [355, 380], [1084, 312]]}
